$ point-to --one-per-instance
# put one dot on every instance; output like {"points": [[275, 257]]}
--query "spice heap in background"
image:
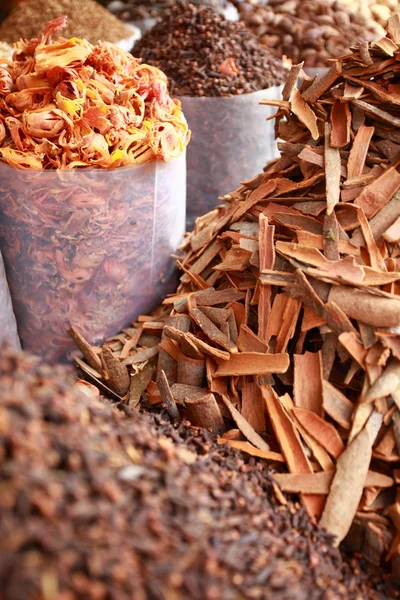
{"points": [[286, 318], [135, 10], [377, 10], [97, 503], [86, 19], [307, 30], [220, 72], [203, 54], [84, 241]]}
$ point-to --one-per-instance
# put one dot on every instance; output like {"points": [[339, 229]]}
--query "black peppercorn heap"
{"points": [[205, 55]]}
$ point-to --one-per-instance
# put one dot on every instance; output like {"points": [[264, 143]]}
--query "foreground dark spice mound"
{"points": [[100, 504], [311, 31], [203, 54]]}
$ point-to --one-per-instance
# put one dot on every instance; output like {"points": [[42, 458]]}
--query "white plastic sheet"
{"points": [[90, 248], [231, 142]]}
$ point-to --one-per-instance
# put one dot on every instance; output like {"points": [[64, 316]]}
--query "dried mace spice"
{"points": [[311, 31]]}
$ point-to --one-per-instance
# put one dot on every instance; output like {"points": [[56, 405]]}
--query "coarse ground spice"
{"points": [[99, 503], [203, 54], [307, 30], [86, 19]]}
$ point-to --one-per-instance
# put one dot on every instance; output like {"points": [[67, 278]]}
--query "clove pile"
{"points": [[283, 335], [311, 31], [203, 54], [101, 503]]}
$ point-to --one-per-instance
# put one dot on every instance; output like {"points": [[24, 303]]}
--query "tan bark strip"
{"points": [[332, 171], [307, 387], [338, 407], [211, 330], [245, 427], [248, 341], [204, 260], [204, 412], [322, 83], [291, 447], [387, 383], [252, 363], [141, 356], [363, 306], [167, 396], [252, 450], [116, 374], [291, 80], [322, 431], [375, 195], [92, 358], [339, 136], [253, 406], [349, 340], [320, 483], [349, 480], [392, 234], [304, 113], [212, 297], [267, 261], [177, 335], [381, 221], [191, 370], [180, 391]]}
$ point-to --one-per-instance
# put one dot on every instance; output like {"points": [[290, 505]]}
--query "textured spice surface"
{"points": [[87, 19], [202, 54], [131, 10], [98, 503], [311, 31]]}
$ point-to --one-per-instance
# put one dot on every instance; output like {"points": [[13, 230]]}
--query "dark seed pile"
{"points": [[191, 44], [306, 30], [132, 10], [101, 504]]}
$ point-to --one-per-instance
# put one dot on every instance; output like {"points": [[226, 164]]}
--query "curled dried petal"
{"points": [[6, 82]]}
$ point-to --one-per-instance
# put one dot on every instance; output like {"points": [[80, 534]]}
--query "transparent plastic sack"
{"points": [[90, 248], [231, 142], [8, 325]]}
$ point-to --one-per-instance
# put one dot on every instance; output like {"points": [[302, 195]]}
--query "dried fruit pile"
{"points": [[203, 54], [287, 317], [99, 504], [307, 30], [86, 20]]}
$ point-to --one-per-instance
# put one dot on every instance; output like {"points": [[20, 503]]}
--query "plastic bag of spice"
{"points": [[223, 131], [8, 325], [90, 248]]}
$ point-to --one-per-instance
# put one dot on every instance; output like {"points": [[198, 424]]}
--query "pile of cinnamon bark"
{"points": [[284, 333]]}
